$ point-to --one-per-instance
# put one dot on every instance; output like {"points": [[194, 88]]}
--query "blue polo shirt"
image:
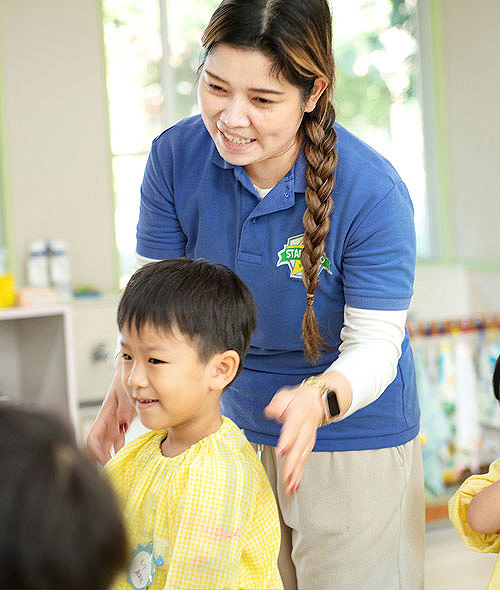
{"points": [[195, 204]]}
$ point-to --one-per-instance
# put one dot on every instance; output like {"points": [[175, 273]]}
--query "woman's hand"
{"points": [[300, 411], [112, 422]]}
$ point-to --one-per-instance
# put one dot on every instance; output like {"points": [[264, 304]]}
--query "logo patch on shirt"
{"points": [[290, 255]]}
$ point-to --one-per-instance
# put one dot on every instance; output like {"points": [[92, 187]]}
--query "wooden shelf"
{"points": [[438, 511]]}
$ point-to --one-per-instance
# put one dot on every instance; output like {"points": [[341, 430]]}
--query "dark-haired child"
{"points": [[199, 507], [475, 507], [60, 526]]}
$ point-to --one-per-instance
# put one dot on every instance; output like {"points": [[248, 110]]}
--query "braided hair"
{"points": [[297, 36], [321, 159]]}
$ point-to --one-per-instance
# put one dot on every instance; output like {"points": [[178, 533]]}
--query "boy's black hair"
{"points": [[206, 302], [496, 379], [60, 526]]}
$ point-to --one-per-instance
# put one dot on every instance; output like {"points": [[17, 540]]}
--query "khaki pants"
{"points": [[356, 522]]}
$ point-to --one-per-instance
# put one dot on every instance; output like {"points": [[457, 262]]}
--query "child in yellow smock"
{"points": [[474, 509], [199, 509]]}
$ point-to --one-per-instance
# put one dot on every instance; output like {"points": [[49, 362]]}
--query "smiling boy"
{"points": [[198, 505]]}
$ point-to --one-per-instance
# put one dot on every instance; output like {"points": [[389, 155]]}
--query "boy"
{"points": [[474, 509], [199, 507]]}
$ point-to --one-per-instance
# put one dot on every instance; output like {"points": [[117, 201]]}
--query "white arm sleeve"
{"points": [[141, 261], [369, 353]]}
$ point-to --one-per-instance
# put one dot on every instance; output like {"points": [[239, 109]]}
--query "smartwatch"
{"points": [[329, 399], [331, 404]]}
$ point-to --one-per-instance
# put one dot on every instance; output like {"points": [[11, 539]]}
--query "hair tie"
{"points": [[310, 299]]}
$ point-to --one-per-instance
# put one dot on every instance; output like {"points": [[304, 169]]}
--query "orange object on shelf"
{"points": [[28, 296]]}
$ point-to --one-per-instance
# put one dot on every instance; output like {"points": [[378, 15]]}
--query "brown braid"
{"points": [[321, 159]]}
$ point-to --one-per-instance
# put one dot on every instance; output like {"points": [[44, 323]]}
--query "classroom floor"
{"points": [[449, 565]]}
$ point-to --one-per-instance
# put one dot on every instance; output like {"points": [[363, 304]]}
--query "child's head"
{"points": [[496, 379], [59, 524], [185, 327]]}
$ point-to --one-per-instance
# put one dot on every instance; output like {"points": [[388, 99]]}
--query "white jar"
{"points": [[59, 269], [38, 264]]}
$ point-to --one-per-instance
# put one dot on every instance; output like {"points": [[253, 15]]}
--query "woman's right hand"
{"points": [[112, 422]]}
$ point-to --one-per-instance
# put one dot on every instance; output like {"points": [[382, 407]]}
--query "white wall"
{"points": [[446, 292], [57, 160], [471, 68], [467, 52]]}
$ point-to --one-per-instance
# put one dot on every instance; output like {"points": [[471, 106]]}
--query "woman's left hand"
{"points": [[300, 411]]}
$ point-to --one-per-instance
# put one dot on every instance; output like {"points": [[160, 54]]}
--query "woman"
{"points": [[267, 183]]}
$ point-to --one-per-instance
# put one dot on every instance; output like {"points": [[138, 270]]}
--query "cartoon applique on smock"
{"points": [[206, 518], [458, 506]]}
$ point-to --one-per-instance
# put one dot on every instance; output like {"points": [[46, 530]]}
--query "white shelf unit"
{"points": [[37, 360]]}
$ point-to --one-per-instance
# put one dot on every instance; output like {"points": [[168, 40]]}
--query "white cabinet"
{"points": [[95, 344], [95, 334], [37, 360]]}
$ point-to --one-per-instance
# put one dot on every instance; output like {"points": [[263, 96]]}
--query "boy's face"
{"points": [[164, 376]]}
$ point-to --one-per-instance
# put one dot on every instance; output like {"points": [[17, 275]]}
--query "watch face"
{"points": [[333, 404]]}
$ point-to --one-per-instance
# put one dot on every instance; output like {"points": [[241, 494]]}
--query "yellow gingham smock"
{"points": [[458, 505], [209, 512]]}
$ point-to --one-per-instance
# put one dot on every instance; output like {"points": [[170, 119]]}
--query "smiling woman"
{"points": [[265, 171]]}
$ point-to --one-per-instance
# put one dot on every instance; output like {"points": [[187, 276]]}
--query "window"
{"points": [[152, 55], [376, 57]]}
